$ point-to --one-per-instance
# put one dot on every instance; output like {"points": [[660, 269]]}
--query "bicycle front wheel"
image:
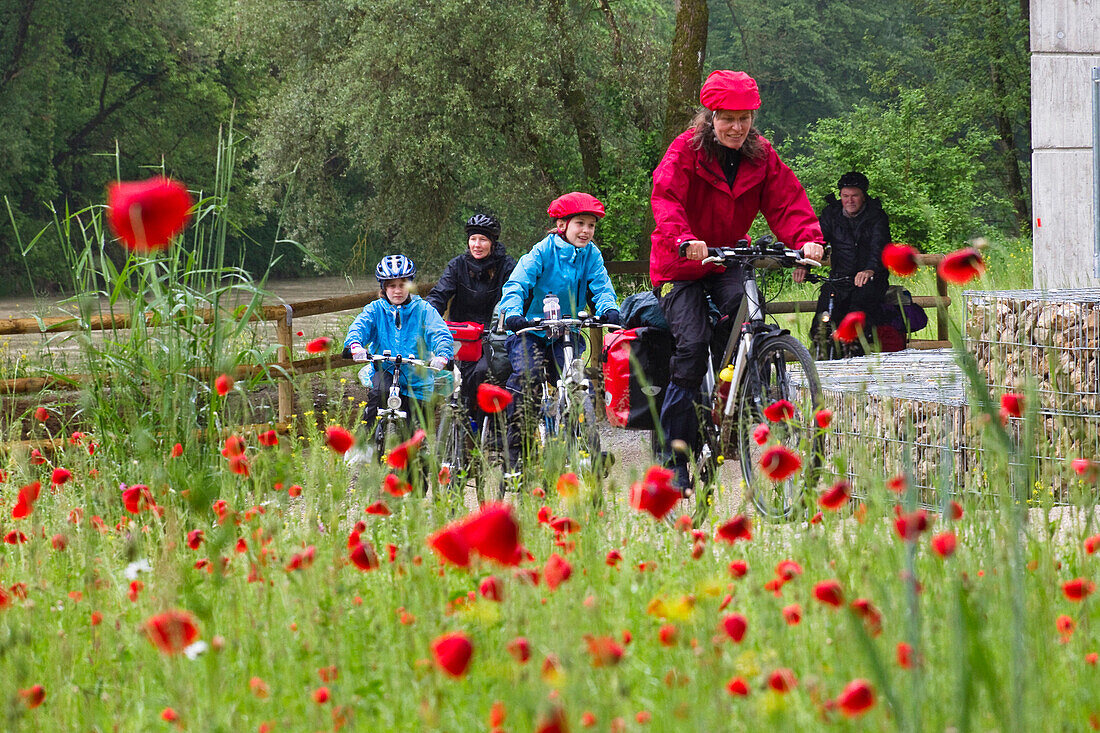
{"points": [[454, 453], [781, 369]]}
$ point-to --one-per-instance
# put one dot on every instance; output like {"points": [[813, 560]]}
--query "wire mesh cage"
{"points": [[1048, 338]]}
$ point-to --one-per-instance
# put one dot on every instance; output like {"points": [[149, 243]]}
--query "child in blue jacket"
{"points": [[401, 323], [567, 264]]}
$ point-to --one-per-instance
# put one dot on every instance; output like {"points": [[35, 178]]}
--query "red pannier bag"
{"points": [[635, 375], [467, 336]]}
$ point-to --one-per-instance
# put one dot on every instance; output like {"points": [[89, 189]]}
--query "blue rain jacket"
{"points": [[413, 329], [576, 274]]}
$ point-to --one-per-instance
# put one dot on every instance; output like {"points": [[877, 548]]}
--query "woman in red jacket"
{"points": [[713, 181]]}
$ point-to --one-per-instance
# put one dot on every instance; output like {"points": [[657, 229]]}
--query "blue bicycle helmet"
{"points": [[393, 267]]}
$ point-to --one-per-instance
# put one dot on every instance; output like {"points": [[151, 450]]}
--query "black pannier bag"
{"points": [[635, 375]]}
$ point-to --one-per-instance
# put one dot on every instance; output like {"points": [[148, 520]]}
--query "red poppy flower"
{"points": [[321, 695], [269, 438], [222, 384], [779, 410], [782, 680], [956, 511], [605, 651], [399, 457], [491, 589], [961, 266], [364, 557], [172, 631], [240, 466], [654, 493], [905, 655], [145, 215], [195, 538], [1012, 404], [41, 415], [59, 542], [234, 446], [137, 498], [856, 699], [339, 439], [395, 486], [779, 462], [33, 696], [900, 259], [830, 593], [909, 525], [792, 614], [761, 433], [667, 635], [1092, 544], [450, 543], [1078, 589], [737, 686], [493, 532], [735, 625], [851, 327], [177, 450], [565, 525], [24, 503], [452, 653], [492, 399], [614, 557], [738, 568], [379, 509], [836, 496], [787, 569], [943, 544], [520, 649], [897, 483], [1081, 466], [169, 715], [568, 485], [1065, 626], [318, 345], [554, 722], [738, 528], [823, 418], [872, 617], [556, 571]]}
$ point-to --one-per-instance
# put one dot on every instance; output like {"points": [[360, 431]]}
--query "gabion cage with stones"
{"points": [[1050, 338], [908, 411]]}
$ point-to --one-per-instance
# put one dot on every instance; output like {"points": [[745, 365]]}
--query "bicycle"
{"points": [[824, 346], [566, 410], [756, 374]]}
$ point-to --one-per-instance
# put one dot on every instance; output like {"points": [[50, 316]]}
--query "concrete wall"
{"points": [[1065, 45]]}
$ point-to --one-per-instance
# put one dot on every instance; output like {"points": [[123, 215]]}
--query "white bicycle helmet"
{"points": [[393, 267]]}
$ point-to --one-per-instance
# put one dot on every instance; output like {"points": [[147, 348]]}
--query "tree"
{"points": [[685, 66]]}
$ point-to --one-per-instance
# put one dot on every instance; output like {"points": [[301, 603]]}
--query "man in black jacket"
{"points": [[858, 230]]}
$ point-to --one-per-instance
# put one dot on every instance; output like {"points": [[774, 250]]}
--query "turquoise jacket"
{"points": [[412, 329], [576, 274]]}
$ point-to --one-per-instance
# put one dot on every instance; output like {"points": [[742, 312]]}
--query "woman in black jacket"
{"points": [[470, 286]]}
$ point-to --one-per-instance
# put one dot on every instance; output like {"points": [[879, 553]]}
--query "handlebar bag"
{"points": [[635, 375], [467, 336]]}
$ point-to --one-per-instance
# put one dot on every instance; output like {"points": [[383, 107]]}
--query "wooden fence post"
{"points": [[941, 311], [285, 337]]}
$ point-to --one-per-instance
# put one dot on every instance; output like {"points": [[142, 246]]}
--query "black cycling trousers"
{"points": [[849, 298], [686, 308]]}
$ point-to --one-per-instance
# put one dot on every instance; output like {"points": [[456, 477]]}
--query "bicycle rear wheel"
{"points": [[781, 369]]}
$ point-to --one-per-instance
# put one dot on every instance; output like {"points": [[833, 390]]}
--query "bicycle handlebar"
{"points": [[766, 254], [537, 324], [399, 359]]}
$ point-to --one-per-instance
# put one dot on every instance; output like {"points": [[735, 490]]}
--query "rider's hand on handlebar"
{"points": [[515, 323], [358, 353], [813, 251], [863, 277], [437, 362], [799, 274], [612, 317], [694, 249]]}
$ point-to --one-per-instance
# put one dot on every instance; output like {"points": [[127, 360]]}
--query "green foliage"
{"points": [[928, 178]]}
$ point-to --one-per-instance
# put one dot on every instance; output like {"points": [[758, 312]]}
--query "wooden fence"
{"points": [[284, 368]]}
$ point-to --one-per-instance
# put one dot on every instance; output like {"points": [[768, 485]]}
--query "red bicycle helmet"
{"points": [[734, 90], [575, 203]]}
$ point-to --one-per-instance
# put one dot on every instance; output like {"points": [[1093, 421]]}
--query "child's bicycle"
{"points": [[566, 410], [762, 364]]}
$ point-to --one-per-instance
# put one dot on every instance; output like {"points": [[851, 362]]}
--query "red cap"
{"points": [[729, 90], [575, 203]]}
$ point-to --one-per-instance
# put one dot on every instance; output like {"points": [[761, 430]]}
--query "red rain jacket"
{"points": [[691, 200]]}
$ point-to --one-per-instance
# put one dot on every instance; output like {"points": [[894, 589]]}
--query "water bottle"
{"points": [[551, 308]]}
